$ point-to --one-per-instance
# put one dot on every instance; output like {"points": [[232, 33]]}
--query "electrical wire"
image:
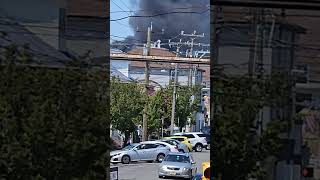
{"points": [[126, 6], [160, 14], [119, 6], [155, 10]]}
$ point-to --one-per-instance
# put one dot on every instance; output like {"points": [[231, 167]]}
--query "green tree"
{"points": [[188, 99], [238, 147], [127, 103], [53, 121]]}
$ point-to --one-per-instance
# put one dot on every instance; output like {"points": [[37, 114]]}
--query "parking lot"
{"points": [[149, 171]]}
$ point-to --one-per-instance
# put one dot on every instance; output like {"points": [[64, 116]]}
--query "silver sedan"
{"points": [[177, 165], [139, 152]]}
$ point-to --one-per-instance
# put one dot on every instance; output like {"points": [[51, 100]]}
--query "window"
{"points": [[178, 139], [161, 145], [141, 146], [150, 146], [189, 135], [201, 135], [170, 142], [177, 158]]}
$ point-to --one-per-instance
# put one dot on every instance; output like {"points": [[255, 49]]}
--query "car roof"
{"points": [[153, 142], [179, 153], [134, 144], [177, 137], [193, 133]]}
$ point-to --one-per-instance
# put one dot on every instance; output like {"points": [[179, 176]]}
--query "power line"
{"points": [[126, 6], [160, 14], [118, 6], [155, 10]]}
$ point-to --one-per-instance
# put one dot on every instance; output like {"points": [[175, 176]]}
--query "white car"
{"points": [[140, 152], [173, 148], [197, 139], [181, 147]]}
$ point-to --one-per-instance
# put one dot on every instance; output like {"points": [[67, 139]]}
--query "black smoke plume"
{"points": [[173, 19]]}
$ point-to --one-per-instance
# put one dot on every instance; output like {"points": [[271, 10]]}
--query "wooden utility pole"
{"points": [[147, 74], [174, 96]]}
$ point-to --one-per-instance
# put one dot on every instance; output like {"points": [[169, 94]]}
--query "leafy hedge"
{"points": [[53, 121]]}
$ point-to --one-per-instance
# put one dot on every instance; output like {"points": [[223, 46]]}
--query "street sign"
{"points": [[114, 173]]}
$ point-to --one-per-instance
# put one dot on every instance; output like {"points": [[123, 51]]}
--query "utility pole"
{"points": [[147, 69], [174, 95], [193, 37]]}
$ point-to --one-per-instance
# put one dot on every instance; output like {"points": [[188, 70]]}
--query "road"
{"points": [[149, 171]]}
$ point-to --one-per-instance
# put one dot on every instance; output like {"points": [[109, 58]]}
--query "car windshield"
{"points": [[169, 142], [177, 158]]}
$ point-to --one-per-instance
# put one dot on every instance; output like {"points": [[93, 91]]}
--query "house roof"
{"points": [[17, 34], [153, 52], [115, 73]]}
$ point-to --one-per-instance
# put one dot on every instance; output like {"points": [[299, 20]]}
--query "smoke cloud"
{"points": [[172, 24]]}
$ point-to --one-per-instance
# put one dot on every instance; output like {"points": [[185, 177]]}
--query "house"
{"points": [[279, 53]]}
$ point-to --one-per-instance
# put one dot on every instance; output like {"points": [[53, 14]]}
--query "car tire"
{"points": [[161, 177], [198, 147], [208, 147], [125, 159], [160, 157]]}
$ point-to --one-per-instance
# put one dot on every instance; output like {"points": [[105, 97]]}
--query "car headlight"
{"points": [[162, 167], [115, 154], [185, 169]]}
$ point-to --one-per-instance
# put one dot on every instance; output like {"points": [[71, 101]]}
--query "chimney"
{"points": [[159, 43]]}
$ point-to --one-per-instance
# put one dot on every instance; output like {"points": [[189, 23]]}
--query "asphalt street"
{"points": [[149, 171]]}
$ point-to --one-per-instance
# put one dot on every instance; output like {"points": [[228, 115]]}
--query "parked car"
{"points": [[180, 165], [172, 148], [197, 139], [183, 140], [207, 131], [140, 152], [181, 147], [208, 139]]}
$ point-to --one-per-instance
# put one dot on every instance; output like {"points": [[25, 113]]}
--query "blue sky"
{"points": [[121, 28]]}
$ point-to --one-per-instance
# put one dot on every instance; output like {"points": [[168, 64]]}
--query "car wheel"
{"points": [[160, 157], [125, 159], [208, 147], [198, 148]]}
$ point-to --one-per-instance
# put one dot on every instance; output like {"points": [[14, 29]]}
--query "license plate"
{"points": [[172, 173]]}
